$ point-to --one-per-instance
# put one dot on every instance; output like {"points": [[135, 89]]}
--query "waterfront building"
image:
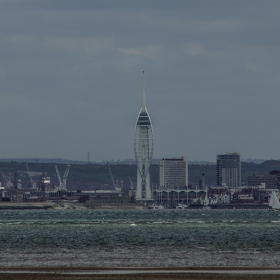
{"points": [[173, 172], [270, 180], [229, 170], [143, 149]]}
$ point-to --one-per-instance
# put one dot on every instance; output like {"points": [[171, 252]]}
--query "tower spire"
{"points": [[143, 149], [143, 92]]}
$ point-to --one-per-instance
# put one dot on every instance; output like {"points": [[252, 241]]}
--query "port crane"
{"points": [[62, 183], [112, 178], [3, 178], [32, 183], [131, 183]]}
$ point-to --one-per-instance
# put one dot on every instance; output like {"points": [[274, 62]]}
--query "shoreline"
{"points": [[198, 273], [62, 205], [44, 205], [129, 268]]}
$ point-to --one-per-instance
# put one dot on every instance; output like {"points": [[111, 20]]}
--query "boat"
{"points": [[182, 206], [155, 206], [274, 201], [205, 206], [206, 200]]}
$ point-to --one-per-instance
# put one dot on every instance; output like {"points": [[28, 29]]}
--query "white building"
{"points": [[173, 172], [143, 149]]}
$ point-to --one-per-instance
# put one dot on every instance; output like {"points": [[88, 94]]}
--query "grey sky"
{"points": [[71, 77]]}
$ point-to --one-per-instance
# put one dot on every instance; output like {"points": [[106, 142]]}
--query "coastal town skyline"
{"points": [[90, 189]]}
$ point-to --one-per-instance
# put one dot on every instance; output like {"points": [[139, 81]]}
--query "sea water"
{"points": [[139, 238]]}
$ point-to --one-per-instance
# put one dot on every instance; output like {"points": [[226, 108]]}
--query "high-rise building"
{"points": [[229, 170], [143, 149], [173, 172]]}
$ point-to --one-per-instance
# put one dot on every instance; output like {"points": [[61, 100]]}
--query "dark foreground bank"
{"points": [[140, 274], [189, 276]]}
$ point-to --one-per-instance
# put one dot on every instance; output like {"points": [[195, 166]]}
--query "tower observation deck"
{"points": [[143, 149]]}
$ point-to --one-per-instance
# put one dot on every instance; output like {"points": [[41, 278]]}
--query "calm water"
{"points": [[133, 238]]}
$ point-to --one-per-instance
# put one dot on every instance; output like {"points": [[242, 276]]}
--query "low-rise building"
{"points": [[270, 180]]}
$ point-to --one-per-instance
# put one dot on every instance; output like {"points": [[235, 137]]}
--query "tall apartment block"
{"points": [[143, 149], [173, 172], [229, 170]]}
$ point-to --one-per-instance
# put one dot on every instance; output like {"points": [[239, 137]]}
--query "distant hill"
{"points": [[67, 161], [42, 160], [271, 163], [83, 175], [126, 161]]}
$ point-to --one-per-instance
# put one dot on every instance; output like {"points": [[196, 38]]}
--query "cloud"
{"points": [[149, 51], [70, 77]]}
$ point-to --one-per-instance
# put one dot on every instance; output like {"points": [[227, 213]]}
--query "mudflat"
{"points": [[169, 276], [140, 274]]}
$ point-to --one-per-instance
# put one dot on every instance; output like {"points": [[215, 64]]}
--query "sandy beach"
{"points": [[139, 274]]}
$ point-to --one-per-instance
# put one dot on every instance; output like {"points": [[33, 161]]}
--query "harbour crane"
{"points": [[3, 179], [60, 187], [15, 177], [62, 183], [112, 178], [131, 183], [32, 183], [65, 176]]}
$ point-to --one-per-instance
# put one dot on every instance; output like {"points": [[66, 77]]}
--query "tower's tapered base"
{"points": [[143, 149]]}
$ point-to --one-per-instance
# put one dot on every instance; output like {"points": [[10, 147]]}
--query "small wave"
{"points": [[162, 223], [228, 221], [226, 251], [275, 221], [14, 223]]}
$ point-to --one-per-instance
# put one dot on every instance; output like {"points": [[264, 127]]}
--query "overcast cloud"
{"points": [[71, 77]]}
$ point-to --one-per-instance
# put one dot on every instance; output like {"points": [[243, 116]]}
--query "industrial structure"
{"points": [[115, 183], [143, 149], [229, 170], [33, 184], [173, 172], [62, 183]]}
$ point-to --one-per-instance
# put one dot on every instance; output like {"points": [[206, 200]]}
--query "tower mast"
{"points": [[143, 149]]}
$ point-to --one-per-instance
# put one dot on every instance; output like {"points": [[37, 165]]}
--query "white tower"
{"points": [[143, 149]]}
